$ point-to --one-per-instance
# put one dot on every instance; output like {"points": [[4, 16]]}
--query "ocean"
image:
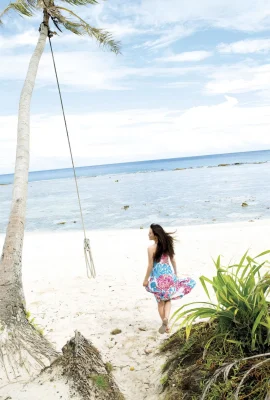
{"points": [[172, 192], [150, 166]]}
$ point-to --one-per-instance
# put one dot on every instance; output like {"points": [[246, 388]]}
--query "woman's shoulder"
{"points": [[152, 248]]}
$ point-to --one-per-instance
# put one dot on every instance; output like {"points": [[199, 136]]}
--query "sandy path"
{"points": [[62, 299]]}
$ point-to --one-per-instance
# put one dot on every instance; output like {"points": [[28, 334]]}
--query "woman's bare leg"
{"points": [[167, 311], [161, 309]]}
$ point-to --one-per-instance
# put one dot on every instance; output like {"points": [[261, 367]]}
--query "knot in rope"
{"points": [[90, 266]]}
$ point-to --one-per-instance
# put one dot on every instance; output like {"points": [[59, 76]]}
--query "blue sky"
{"points": [[193, 78]]}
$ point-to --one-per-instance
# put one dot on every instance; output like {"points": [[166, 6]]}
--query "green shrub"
{"points": [[223, 373], [241, 307]]}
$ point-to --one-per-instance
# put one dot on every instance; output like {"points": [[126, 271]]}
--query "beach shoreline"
{"points": [[149, 166], [61, 298]]}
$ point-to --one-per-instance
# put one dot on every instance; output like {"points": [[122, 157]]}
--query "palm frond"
{"points": [[225, 370], [80, 2], [81, 27], [23, 7], [257, 365]]}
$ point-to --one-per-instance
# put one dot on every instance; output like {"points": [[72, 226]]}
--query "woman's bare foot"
{"points": [[168, 329], [164, 326]]}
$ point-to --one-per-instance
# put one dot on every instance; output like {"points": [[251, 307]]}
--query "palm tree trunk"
{"points": [[11, 293], [18, 339]]}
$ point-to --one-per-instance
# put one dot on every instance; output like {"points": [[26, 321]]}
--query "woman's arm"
{"points": [[150, 266], [174, 265]]}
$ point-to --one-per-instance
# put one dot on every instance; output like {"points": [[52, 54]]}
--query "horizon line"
{"points": [[144, 161]]}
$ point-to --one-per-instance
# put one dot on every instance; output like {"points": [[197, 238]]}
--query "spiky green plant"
{"points": [[241, 306], [225, 372]]}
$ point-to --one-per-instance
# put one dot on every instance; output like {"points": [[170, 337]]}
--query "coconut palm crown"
{"points": [[63, 17]]}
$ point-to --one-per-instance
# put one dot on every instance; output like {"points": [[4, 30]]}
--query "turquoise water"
{"points": [[172, 198], [144, 166]]}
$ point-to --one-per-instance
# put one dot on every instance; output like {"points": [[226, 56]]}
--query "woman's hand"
{"points": [[145, 282]]}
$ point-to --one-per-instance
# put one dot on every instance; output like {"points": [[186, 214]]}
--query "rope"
{"points": [[90, 267]]}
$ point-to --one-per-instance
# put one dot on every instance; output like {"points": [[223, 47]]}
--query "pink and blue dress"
{"points": [[165, 285]]}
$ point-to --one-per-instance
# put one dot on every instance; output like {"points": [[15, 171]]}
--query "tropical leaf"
{"points": [[80, 2], [81, 27], [22, 7], [263, 253], [203, 281], [225, 370], [62, 16], [241, 304], [257, 365]]}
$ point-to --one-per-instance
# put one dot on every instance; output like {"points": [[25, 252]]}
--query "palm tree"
{"points": [[23, 350]]}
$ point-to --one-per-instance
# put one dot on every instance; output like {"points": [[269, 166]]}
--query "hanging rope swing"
{"points": [[90, 267]]}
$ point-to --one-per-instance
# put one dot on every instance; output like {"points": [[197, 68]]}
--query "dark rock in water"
{"points": [[238, 163], [244, 204], [125, 208]]}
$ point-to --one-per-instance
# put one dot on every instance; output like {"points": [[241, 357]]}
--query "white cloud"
{"points": [[120, 31], [239, 78], [242, 15], [245, 46], [187, 14], [82, 70], [192, 56], [101, 137], [167, 37], [28, 38], [167, 22], [179, 84]]}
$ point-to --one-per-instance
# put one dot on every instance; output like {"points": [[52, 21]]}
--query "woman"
{"points": [[160, 278]]}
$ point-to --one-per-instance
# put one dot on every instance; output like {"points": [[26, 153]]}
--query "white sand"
{"points": [[62, 299]]}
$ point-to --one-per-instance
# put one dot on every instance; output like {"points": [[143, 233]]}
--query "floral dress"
{"points": [[165, 285]]}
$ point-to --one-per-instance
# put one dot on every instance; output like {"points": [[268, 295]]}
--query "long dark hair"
{"points": [[164, 242]]}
